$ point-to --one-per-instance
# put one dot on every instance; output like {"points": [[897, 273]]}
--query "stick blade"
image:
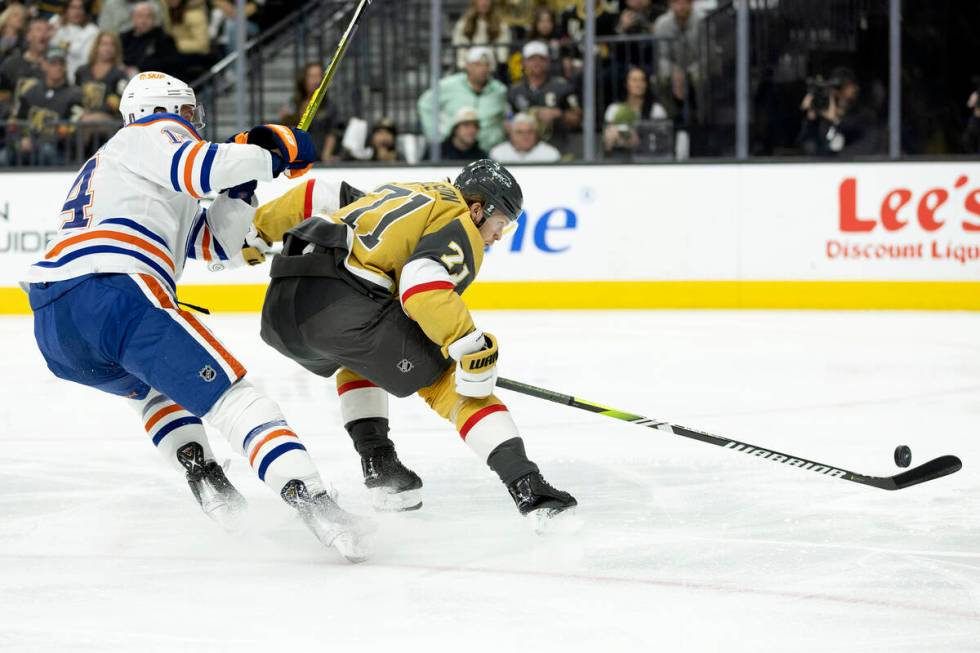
{"points": [[936, 468]]}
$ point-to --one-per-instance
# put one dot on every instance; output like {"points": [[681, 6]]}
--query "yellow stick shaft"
{"points": [[321, 91]]}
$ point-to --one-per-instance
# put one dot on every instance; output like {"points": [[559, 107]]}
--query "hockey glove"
{"points": [[476, 364], [255, 248], [292, 149]]}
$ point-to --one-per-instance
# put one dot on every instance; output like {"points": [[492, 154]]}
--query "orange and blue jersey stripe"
{"points": [[183, 176], [202, 240], [118, 236]]}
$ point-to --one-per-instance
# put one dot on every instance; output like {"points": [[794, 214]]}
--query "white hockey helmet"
{"points": [[148, 92]]}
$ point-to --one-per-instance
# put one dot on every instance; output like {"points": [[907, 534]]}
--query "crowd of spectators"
{"points": [[524, 58], [64, 63], [514, 91]]}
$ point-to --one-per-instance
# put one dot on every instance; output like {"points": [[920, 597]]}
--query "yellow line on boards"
{"points": [[538, 295]]}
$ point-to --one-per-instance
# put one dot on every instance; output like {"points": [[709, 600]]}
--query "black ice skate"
{"points": [[393, 486], [332, 525], [215, 494], [535, 497]]}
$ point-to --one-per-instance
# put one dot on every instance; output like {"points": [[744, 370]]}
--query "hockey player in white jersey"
{"points": [[106, 314]]}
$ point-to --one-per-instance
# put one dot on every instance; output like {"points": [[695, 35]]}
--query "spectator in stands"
{"points": [[147, 46], [462, 143], [224, 19], [102, 80], [550, 99], [544, 28], [971, 137], [42, 111], [639, 97], [573, 19], [188, 21], [636, 18], [836, 120], [678, 56], [327, 123], [20, 69], [382, 140], [476, 89], [75, 36], [117, 15], [13, 22], [524, 145], [480, 25]]}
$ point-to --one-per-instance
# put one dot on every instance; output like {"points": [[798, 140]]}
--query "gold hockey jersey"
{"points": [[413, 240]]}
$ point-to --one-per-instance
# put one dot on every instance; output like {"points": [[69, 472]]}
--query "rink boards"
{"points": [[824, 236]]}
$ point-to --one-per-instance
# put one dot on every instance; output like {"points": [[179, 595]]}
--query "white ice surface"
{"points": [[685, 546]]}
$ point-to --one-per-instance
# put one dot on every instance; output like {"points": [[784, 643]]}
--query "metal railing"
{"points": [[55, 143]]}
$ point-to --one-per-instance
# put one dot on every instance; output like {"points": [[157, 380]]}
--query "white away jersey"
{"points": [[134, 205]]}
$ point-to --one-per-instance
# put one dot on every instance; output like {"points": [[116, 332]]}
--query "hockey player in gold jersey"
{"points": [[371, 294]]}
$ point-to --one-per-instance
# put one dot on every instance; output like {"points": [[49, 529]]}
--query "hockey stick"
{"points": [[937, 468], [321, 91]]}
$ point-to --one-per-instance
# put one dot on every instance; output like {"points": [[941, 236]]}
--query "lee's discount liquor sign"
{"points": [[901, 219]]}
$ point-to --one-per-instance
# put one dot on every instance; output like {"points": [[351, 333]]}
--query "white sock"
{"points": [[255, 426], [170, 426]]}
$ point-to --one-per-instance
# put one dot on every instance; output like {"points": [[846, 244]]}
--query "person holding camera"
{"points": [[835, 120]]}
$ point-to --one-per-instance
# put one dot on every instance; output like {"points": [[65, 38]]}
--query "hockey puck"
{"points": [[903, 456]]}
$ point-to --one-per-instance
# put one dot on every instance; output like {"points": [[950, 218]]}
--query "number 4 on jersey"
{"points": [[79, 200]]}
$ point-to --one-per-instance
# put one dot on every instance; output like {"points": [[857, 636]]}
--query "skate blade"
{"points": [[386, 501], [354, 547], [548, 522], [230, 517], [355, 540]]}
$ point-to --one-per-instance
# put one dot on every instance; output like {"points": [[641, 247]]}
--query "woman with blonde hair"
{"points": [[13, 22], [481, 25], [102, 79]]}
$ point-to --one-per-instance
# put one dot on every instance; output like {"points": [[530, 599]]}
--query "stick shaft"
{"points": [[321, 90], [935, 468]]}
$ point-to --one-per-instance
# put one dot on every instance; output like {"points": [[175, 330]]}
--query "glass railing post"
{"points": [[895, 79], [742, 80], [435, 69], [588, 81]]}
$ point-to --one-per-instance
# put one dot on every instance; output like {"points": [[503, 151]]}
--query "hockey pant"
{"points": [[124, 334]]}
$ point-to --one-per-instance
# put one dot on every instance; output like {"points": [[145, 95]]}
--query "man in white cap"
{"points": [[524, 145], [474, 89], [462, 145], [550, 99]]}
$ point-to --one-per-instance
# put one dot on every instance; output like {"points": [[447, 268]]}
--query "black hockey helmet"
{"points": [[491, 184]]}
